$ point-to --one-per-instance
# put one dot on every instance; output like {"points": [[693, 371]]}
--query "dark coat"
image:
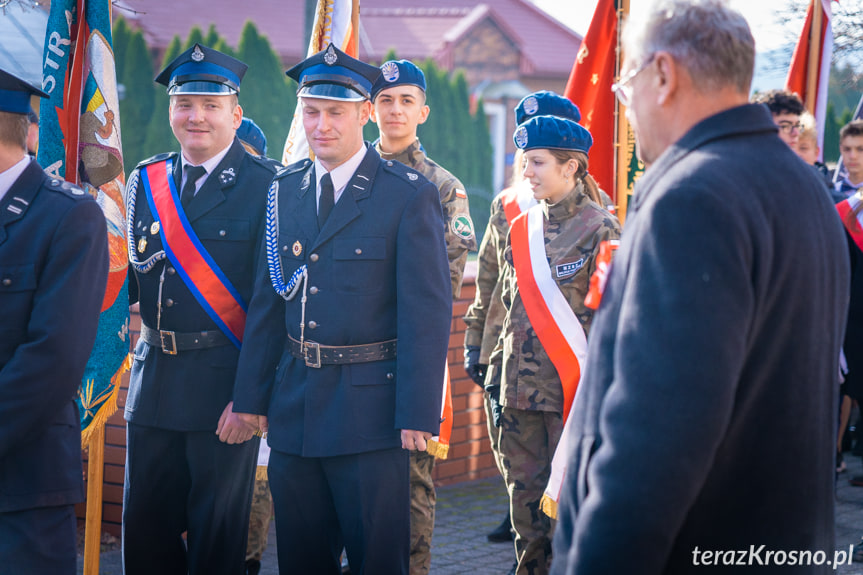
{"points": [[377, 271], [188, 391], [53, 273], [707, 417]]}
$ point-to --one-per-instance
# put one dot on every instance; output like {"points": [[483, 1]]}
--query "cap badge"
{"points": [[521, 137], [154, 228], [412, 176], [530, 105], [330, 57], [197, 54], [297, 248], [390, 71]]}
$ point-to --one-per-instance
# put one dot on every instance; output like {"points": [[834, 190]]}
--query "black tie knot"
{"points": [[193, 174], [327, 200]]}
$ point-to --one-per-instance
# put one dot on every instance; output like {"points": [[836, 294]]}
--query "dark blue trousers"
{"points": [[40, 540], [186, 481], [360, 502]]}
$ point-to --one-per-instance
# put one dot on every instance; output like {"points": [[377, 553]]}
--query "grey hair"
{"points": [[710, 39]]}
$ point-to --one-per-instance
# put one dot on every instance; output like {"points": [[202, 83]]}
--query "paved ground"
{"points": [[466, 512]]}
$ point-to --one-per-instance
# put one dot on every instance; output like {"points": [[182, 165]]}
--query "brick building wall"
{"points": [[469, 457]]}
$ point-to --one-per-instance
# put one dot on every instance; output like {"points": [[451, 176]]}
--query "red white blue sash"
{"points": [[199, 271], [853, 223], [516, 200]]}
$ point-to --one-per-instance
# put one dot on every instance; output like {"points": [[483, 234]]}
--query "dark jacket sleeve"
{"points": [[46, 369], [424, 296]]}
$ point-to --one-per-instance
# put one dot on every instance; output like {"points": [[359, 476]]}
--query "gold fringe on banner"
{"points": [[261, 473], [109, 407], [437, 449], [548, 506]]}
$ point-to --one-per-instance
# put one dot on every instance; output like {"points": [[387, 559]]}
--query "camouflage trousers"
{"points": [[422, 511], [492, 374], [259, 520], [527, 443]]}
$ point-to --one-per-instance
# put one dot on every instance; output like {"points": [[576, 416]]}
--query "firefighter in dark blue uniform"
{"points": [[348, 357], [53, 273], [189, 464]]}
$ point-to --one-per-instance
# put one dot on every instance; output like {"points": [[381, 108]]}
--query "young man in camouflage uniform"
{"points": [[399, 100], [484, 318]]}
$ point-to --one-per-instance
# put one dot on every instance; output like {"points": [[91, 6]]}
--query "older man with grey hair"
{"points": [[703, 429]]}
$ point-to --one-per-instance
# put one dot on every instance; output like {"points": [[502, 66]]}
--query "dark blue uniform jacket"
{"points": [[377, 271]]}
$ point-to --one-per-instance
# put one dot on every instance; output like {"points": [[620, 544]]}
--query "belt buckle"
{"points": [[168, 337], [315, 347]]}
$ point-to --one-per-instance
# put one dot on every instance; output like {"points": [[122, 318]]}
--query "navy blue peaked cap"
{"points": [[399, 73], [15, 94], [551, 132], [202, 70], [250, 133], [546, 103], [333, 75]]}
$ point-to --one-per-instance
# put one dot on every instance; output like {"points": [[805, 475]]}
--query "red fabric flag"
{"points": [[589, 87], [799, 72]]}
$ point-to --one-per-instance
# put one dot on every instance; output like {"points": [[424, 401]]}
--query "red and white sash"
{"points": [[550, 314], [439, 445], [852, 223], [516, 200]]}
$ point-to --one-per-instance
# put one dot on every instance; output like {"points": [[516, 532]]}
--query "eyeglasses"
{"points": [[622, 89], [789, 127]]}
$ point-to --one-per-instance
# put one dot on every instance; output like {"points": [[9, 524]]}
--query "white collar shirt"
{"points": [[340, 175], [10, 176]]}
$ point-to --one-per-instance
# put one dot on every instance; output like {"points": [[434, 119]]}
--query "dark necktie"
{"points": [[327, 201], [193, 174]]}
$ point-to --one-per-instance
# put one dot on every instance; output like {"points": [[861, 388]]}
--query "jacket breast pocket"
{"points": [[229, 241], [17, 288], [359, 264]]}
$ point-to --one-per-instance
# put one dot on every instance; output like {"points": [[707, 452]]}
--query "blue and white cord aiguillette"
{"points": [[131, 197], [274, 262]]}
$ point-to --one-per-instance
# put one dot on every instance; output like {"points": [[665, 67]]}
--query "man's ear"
{"points": [[373, 114], [424, 114], [667, 76], [238, 116], [365, 112]]}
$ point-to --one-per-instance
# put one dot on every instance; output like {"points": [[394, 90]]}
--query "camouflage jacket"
{"points": [[574, 229], [459, 234], [484, 317]]}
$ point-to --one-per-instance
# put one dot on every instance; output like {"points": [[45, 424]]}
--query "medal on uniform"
{"points": [[297, 248], [142, 245], [154, 228]]}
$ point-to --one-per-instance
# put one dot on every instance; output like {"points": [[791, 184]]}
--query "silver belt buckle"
{"points": [[312, 354], [168, 337]]}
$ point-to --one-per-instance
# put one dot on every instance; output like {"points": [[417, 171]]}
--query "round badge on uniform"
{"points": [[297, 248], [154, 228], [521, 137], [462, 226], [390, 71], [530, 105]]}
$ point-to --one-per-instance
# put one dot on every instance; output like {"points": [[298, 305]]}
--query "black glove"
{"points": [[494, 399], [474, 369]]}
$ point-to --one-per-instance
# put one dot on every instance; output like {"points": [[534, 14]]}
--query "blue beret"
{"points": [[15, 94], [202, 70], [550, 132], [399, 73], [250, 133], [545, 103], [333, 75]]}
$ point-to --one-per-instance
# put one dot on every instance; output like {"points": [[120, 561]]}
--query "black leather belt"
{"points": [[171, 341], [316, 355]]}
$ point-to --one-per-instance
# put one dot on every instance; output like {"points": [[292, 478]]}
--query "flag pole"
{"points": [[355, 27], [812, 70], [93, 521], [621, 131]]}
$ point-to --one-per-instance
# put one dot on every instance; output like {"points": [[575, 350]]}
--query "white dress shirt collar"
{"points": [[10, 176], [340, 175]]}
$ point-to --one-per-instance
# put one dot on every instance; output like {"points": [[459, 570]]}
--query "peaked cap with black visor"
{"points": [[15, 94], [333, 75], [202, 71]]}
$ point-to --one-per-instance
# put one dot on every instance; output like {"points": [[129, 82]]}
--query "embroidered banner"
{"points": [[439, 446]]}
